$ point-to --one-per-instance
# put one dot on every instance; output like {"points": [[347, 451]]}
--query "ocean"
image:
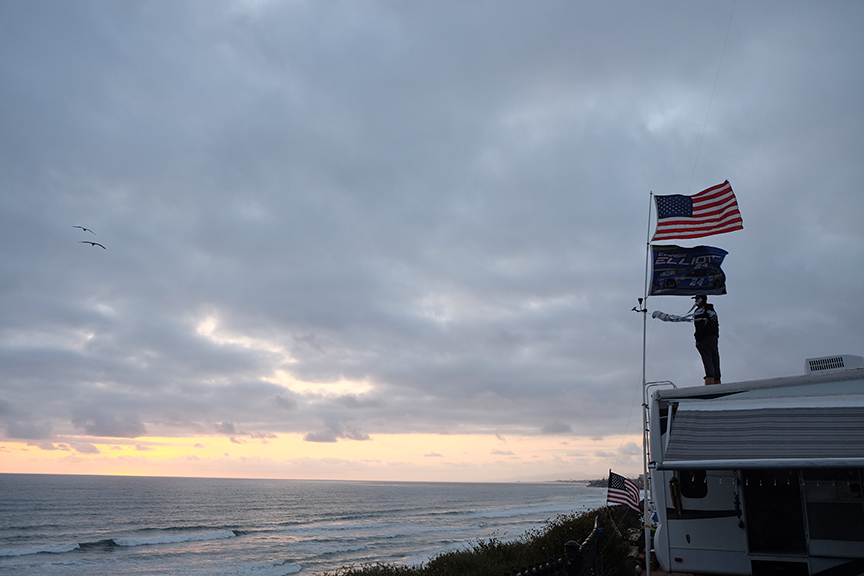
{"points": [[54, 525]]}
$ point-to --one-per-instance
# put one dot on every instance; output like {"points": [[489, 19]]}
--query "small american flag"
{"points": [[622, 491], [711, 211]]}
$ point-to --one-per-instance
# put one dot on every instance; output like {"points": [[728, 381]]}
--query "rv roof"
{"points": [[773, 386]]}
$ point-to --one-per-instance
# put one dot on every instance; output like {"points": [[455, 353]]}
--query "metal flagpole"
{"points": [[646, 480]]}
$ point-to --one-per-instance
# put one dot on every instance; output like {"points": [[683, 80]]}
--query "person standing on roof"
{"points": [[707, 332]]}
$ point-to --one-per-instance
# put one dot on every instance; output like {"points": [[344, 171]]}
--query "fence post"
{"points": [[573, 552]]}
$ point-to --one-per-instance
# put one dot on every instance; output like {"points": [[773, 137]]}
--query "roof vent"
{"points": [[833, 364]]}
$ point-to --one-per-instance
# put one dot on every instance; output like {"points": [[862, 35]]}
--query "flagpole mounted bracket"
{"points": [[640, 308]]}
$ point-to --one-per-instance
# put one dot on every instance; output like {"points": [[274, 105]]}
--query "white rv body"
{"points": [[761, 477]]}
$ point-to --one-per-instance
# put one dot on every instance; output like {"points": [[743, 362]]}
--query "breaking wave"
{"points": [[114, 542]]}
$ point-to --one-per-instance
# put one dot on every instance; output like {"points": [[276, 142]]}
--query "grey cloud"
{"points": [[557, 428], [351, 432], [28, 430], [229, 429], [49, 446], [325, 436], [447, 205], [226, 428], [97, 423], [336, 431], [283, 403], [353, 401]]}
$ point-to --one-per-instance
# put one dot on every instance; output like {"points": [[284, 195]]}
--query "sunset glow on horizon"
{"points": [[394, 457]]}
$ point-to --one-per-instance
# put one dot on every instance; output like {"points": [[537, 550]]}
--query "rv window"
{"points": [[694, 483], [773, 511], [835, 510], [833, 485]]}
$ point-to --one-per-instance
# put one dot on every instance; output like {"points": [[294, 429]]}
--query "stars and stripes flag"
{"points": [[711, 211], [622, 491]]}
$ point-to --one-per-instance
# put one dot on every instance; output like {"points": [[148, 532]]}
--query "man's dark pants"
{"points": [[707, 348]]}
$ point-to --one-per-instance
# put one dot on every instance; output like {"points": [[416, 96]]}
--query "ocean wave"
{"points": [[103, 544], [114, 542], [53, 549], [291, 567], [342, 549], [174, 538]]}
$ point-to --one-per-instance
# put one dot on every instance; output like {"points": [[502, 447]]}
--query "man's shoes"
{"points": [[709, 381]]}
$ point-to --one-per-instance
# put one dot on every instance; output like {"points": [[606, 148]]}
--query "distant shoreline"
{"points": [[601, 483]]}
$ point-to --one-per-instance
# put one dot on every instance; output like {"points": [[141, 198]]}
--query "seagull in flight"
{"points": [[93, 244], [85, 229]]}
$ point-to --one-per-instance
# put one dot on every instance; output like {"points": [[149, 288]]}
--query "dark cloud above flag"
{"points": [[678, 271]]}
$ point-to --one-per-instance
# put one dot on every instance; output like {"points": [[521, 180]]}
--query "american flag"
{"points": [[711, 211], [622, 491]]}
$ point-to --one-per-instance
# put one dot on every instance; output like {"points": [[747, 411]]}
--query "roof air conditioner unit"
{"points": [[833, 364]]}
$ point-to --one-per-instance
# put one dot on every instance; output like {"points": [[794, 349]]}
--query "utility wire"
{"points": [[711, 101]]}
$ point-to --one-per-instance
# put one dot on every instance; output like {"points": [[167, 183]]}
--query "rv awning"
{"points": [[797, 437]]}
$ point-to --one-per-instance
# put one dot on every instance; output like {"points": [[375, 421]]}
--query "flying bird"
{"points": [[85, 229], [93, 244]]}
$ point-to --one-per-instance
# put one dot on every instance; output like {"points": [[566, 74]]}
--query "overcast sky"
{"points": [[345, 220]]}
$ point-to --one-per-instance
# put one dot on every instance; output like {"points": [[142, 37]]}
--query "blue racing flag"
{"points": [[681, 271]]}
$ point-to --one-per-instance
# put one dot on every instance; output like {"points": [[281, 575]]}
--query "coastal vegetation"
{"points": [[495, 557]]}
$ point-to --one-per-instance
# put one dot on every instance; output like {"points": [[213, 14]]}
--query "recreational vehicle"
{"points": [[761, 477]]}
